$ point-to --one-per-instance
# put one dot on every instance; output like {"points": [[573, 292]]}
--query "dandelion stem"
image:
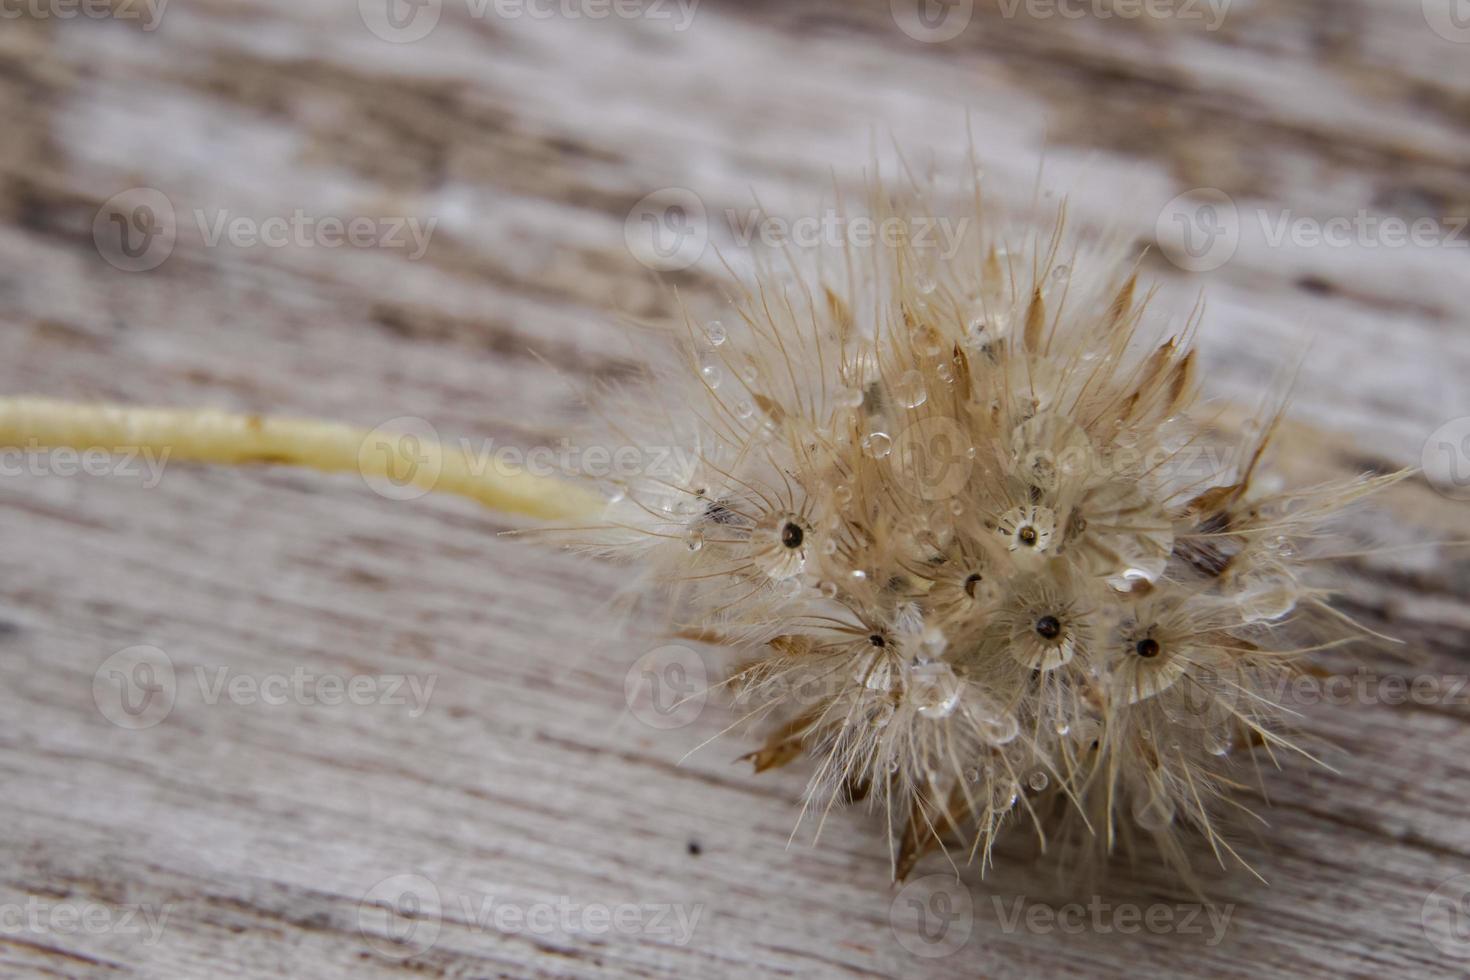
{"points": [[211, 436]]}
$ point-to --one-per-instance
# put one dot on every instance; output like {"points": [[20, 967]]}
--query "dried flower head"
{"points": [[951, 515]]}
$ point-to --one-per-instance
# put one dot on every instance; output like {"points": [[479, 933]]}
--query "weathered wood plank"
{"points": [[259, 830]]}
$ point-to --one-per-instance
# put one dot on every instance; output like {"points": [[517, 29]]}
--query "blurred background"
{"points": [[436, 210]]}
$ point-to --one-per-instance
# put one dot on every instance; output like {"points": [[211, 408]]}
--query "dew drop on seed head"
{"points": [[925, 284], [972, 774], [1155, 813], [877, 444], [910, 390], [828, 590], [1038, 780], [709, 369], [1060, 273], [999, 729], [715, 331], [695, 539]]}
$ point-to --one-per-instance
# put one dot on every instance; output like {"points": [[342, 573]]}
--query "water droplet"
{"points": [[945, 372], [858, 575], [925, 285], [709, 369], [935, 689], [850, 397], [877, 444], [828, 590], [748, 374], [910, 390], [956, 508], [893, 766], [972, 774], [695, 539], [1060, 273], [1038, 780], [715, 331], [1155, 813], [745, 410], [1000, 728], [1063, 728], [790, 587], [842, 493]]}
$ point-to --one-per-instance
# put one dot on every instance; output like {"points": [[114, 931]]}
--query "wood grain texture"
{"points": [[258, 832]]}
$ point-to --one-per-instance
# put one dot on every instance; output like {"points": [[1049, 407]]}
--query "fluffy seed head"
{"points": [[953, 517]]}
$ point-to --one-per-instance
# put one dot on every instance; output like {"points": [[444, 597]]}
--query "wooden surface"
{"points": [[262, 837]]}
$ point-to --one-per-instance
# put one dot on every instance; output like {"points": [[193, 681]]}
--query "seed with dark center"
{"points": [[1027, 535], [791, 535], [1148, 647], [970, 584], [877, 640], [1049, 627]]}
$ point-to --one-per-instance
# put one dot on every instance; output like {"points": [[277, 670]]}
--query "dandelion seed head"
{"points": [[961, 540]]}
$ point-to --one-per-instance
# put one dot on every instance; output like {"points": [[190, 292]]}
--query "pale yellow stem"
{"points": [[399, 464]]}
